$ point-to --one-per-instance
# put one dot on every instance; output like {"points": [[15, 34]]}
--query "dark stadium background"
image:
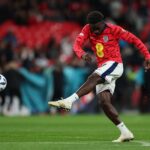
{"points": [[36, 55]]}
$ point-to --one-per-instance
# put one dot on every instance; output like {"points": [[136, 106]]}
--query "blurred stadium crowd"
{"points": [[36, 55]]}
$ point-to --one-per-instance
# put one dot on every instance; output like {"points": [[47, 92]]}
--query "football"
{"points": [[3, 82]]}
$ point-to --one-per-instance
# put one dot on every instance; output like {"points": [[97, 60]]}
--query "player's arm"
{"points": [[79, 41], [131, 38]]}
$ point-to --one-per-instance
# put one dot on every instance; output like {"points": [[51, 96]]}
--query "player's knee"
{"points": [[104, 103], [105, 99]]}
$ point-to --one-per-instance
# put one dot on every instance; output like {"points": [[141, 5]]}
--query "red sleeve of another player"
{"points": [[131, 38], [81, 38]]}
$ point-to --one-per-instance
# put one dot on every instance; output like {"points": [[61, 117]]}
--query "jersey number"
{"points": [[99, 50]]}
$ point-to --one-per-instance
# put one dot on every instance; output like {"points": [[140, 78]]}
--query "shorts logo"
{"points": [[105, 38]]}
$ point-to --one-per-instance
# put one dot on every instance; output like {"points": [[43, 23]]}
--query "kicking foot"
{"points": [[65, 104], [124, 137]]}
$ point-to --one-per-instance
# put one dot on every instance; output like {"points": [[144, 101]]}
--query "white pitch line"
{"points": [[143, 143]]}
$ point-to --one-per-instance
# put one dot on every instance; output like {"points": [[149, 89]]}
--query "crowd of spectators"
{"points": [[54, 60]]}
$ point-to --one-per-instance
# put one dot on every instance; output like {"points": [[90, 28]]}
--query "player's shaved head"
{"points": [[95, 17]]}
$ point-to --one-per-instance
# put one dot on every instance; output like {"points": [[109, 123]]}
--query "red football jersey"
{"points": [[106, 45]]}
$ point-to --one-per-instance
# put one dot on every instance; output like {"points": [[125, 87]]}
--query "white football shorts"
{"points": [[110, 71]]}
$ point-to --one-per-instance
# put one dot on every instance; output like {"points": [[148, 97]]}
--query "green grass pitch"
{"points": [[85, 132]]}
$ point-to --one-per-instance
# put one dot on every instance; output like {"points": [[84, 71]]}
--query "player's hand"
{"points": [[147, 64], [87, 57]]}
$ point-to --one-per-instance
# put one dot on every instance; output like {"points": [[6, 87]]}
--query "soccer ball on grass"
{"points": [[3, 82]]}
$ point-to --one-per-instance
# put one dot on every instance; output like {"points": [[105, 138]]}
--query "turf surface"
{"points": [[71, 133]]}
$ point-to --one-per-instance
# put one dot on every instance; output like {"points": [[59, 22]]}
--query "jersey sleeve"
{"points": [[79, 41], [120, 33]]}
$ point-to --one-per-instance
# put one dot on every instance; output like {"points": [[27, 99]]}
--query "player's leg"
{"points": [[87, 87], [105, 92], [105, 102], [110, 111]]}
